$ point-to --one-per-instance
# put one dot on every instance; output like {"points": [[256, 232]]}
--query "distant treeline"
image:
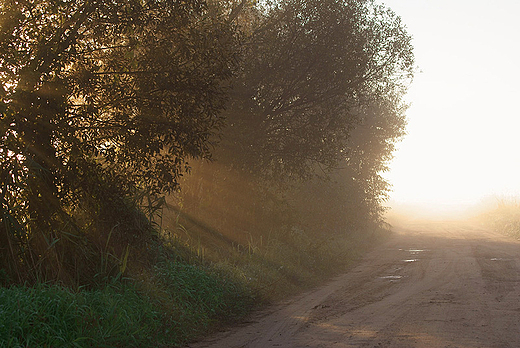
{"points": [[258, 119]]}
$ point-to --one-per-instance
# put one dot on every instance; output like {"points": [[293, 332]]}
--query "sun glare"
{"points": [[462, 143]]}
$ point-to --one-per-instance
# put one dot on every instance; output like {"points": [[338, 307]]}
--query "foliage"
{"points": [[315, 112], [57, 317], [185, 301], [311, 70], [102, 105], [503, 215], [99, 99], [102, 102], [314, 116]]}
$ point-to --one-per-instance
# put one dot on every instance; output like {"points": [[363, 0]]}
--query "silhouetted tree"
{"points": [[317, 96], [309, 69], [352, 195], [99, 98]]}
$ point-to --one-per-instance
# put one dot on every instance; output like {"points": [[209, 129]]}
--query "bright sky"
{"points": [[463, 139]]}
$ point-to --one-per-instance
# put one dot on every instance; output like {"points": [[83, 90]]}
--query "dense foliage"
{"points": [[311, 70], [315, 111], [100, 99], [104, 103]]}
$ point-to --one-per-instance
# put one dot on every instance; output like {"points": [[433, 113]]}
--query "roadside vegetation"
{"points": [[167, 166], [183, 296], [503, 216], [186, 300]]}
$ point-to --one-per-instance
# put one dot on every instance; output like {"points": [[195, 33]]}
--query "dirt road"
{"points": [[431, 285]]}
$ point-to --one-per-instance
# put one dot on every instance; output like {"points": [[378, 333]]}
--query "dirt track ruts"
{"points": [[430, 285]]}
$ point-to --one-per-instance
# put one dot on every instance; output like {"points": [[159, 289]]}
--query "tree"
{"points": [[99, 98], [309, 69], [351, 196]]}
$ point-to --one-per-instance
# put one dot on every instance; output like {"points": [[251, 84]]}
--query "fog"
{"points": [[462, 143], [437, 212]]}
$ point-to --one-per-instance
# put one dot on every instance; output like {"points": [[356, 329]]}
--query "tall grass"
{"points": [[504, 216], [275, 267], [178, 304], [180, 296], [54, 316]]}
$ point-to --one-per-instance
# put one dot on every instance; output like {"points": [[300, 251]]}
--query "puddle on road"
{"points": [[500, 259], [391, 277], [414, 251], [394, 278]]}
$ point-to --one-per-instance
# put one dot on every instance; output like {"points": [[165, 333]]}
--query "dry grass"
{"points": [[504, 216]]}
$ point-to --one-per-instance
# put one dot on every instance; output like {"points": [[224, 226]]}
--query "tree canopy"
{"points": [[310, 69], [101, 99], [123, 89]]}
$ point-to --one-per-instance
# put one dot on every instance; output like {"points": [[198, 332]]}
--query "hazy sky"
{"points": [[463, 139]]}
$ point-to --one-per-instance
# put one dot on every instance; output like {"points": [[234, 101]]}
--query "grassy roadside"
{"points": [[181, 302], [504, 217], [184, 295]]}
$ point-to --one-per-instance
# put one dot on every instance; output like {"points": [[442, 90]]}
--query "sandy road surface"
{"points": [[431, 285]]}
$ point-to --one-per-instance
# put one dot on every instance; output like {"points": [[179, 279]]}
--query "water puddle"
{"points": [[410, 260], [413, 251], [391, 277], [500, 259]]}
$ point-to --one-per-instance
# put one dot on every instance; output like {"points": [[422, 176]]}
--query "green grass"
{"points": [[181, 295], [53, 316], [200, 296], [184, 302]]}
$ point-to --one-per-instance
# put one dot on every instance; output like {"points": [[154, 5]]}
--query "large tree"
{"points": [[352, 195], [310, 70], [100, 97]]}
